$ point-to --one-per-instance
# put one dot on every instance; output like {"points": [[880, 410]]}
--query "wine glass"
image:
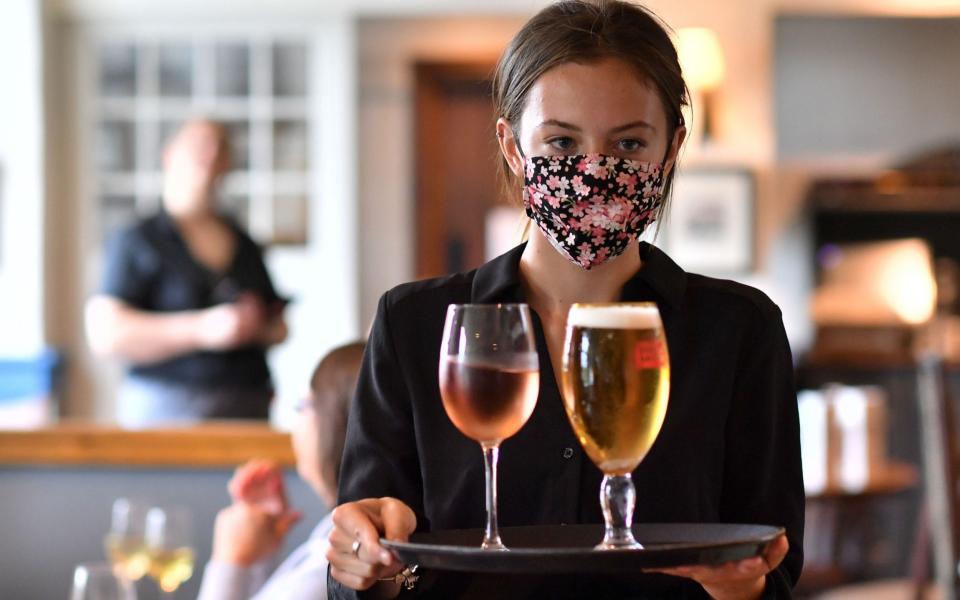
{"points": [[124, 543], [616, 382], [169, 544], [98, 581], [489, 380]]}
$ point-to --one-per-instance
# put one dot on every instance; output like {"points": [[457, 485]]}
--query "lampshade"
{"points": [[701, 58]]}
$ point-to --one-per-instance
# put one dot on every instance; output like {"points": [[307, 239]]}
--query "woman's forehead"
{"points": [[607, 92]]}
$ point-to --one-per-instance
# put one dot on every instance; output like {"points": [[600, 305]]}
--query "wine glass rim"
{"points": [[489, 304]]}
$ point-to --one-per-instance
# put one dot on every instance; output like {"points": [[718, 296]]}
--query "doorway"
{"points": [[456, 165]]}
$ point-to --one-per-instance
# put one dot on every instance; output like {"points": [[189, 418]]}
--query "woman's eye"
{"points": [[630, 145], [561, 143]]}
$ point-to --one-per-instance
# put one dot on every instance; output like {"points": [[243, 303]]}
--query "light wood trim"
{"points": [[209, 445], [895, 478]]}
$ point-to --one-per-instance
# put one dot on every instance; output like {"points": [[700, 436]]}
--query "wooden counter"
{"points": [[210, 445]]}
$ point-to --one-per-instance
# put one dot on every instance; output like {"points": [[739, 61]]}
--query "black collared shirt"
{"points": [[150, 267], [728, 450]]}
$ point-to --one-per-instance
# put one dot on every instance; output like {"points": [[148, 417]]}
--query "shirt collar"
{"points": [[499, 279]]}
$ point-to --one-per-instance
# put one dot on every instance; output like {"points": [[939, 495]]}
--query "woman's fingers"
{"points": [[775, 552], [356, 557], [737, 572], [356, 522], [260, 482], [398, 520]]}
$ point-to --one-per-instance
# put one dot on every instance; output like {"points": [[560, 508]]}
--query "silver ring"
{"points": [[355, 548]]}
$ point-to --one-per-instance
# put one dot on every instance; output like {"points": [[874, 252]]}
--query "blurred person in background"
{"points": [[186, 299], [248, 533]]}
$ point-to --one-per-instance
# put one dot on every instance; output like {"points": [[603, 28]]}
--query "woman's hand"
{"points": [[254, 526], [356, 557], [740, 580], [260, 482], [244, 533]]}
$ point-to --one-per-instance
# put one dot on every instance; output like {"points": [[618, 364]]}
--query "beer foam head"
{"points": [[614, 316]]}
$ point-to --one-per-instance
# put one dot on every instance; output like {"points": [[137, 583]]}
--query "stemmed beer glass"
{"points": [[616, 381], [489, 381]]}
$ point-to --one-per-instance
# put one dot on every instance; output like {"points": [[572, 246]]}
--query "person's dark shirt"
{"points": [[728, 451], [149, 267]]}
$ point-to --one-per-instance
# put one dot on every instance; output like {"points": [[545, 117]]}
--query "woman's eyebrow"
{"points": [[633, 125], [556, 123], [617, 129]]}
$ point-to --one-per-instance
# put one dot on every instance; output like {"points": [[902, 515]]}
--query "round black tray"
{"points": [[569, 548]]}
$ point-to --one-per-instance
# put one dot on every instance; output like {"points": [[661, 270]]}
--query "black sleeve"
{"points": [[129, 267], [763, 480], [380, 456]]}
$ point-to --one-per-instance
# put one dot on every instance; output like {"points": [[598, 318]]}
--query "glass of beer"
{"points": [[616, 381], [489, 381]]}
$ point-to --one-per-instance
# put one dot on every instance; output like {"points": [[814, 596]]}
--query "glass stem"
{"points": [[491, 536], [617, 498]]}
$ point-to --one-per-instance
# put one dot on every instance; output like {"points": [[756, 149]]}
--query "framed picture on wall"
{"points": [[710, 226]]}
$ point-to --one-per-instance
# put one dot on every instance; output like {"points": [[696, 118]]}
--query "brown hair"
{"points": [[332, 386], [584, 31]]}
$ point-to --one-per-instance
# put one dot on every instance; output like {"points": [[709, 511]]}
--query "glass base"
{"points": [[619, 544], [494, 545]]}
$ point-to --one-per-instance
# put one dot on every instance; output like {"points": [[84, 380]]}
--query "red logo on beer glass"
{"points": [[649, 354]]}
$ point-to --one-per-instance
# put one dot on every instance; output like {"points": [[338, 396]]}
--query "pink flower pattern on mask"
{"points": [[591, 206]]}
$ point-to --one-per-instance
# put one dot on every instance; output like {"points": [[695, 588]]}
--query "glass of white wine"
{"points": [[616, 382], [124, 543], [99, 581], [489, 382], [168, 538]]}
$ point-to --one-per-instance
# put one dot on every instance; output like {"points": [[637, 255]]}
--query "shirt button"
{"points": [[568, 452]]}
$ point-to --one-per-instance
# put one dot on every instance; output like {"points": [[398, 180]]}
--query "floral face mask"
{"points": [[591, 206]]}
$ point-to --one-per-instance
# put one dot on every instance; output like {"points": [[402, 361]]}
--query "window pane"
{"points": [[290, 70], [289, 220], [290, 145], [176, 70], [118, 69], [115, 146], [239, 134], [116, 212], [167, 129], [237, 208], [233, 70]]}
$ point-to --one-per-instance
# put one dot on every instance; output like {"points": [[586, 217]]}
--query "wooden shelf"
{"points": [[210, 445], [896, 477]]}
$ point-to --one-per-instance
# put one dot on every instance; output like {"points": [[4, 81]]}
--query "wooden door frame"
{"points": [[431, 81]]}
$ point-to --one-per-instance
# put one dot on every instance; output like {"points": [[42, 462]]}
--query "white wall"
{"points": [[323, 277], [21, 179]]}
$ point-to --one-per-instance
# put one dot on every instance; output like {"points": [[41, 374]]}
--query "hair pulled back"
{"points": [[584, 31]]}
